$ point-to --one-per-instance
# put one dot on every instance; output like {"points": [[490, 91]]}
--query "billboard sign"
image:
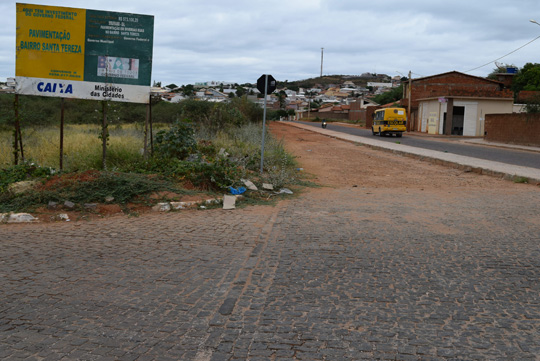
{"points": [[85, 54]]}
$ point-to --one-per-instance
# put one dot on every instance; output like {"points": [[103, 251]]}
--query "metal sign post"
{"points": [[266, 84], [264, 122]]}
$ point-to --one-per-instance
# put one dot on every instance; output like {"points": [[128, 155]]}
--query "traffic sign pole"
{"points": [[264, 121]]}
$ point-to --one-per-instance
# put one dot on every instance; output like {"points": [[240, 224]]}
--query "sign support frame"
{"points": [[264, 121], [61, 161], [17, 142]]}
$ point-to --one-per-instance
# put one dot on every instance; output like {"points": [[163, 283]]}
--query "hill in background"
{"points": [[327, 80]]}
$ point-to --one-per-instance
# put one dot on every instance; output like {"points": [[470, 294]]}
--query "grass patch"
{"points": [[82, 146], [520, 180], [213, 162]]}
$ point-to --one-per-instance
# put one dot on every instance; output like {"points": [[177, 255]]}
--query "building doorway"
{"points": [[458, 119]]}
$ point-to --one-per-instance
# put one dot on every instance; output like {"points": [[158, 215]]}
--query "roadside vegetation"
{"points": [[525, 79], [198, 147]]}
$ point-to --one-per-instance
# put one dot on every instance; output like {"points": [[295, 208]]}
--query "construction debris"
{"points": [[249, 184], [17, 218], [229, 202], [162, 207]]}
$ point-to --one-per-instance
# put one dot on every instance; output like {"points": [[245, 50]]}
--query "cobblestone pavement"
{"points": [[335, 274]]}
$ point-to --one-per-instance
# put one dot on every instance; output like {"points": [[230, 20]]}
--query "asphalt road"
{"points": [[450, 145]]}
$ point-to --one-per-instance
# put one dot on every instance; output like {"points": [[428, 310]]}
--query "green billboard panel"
{"points": [[118, 47]]}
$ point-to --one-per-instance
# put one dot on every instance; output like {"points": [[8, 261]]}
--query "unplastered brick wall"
{"points": [[357, 115], [457, 85], [526, 96], [369, 115], [330, 115], [513, 128]]}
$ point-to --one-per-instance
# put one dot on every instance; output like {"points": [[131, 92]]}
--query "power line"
{"points": [[481, 66]]}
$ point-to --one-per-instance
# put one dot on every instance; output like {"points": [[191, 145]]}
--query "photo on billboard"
{"points": [[115, 67]]}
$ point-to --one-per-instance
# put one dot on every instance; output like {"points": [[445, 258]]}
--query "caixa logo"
{"points": [[60, 88]]}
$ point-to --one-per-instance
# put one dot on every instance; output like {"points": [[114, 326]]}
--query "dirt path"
{"points": [[340, 164]]}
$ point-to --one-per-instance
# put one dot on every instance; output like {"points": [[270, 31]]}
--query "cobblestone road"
{"points": [[330, 275]]}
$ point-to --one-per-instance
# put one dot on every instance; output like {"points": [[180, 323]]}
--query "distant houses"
{"points": [[332, 101], [451, 103]]}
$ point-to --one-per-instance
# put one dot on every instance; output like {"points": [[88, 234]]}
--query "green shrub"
{"points": [[124, 187], [177, 142], [217, 175], [21, 172], [86, 187]]}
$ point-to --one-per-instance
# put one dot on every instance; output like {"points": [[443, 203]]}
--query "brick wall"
{"points": [[369, 115], [457, 85], [330, 115], [362, 116], [526, 96], [356, 113], [513, 128]]}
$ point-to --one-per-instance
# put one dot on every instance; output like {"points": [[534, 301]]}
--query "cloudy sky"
{"points": [[238, 40]]}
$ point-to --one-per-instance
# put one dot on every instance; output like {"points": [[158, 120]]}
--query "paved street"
{"points": [[392, 259], [327, 276]]}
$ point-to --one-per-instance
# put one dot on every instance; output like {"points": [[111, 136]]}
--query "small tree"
{"points": [[528, 78], [188, 90], [390, 96], [240, 91], [533, 105], [282, 96], [177, 142]]}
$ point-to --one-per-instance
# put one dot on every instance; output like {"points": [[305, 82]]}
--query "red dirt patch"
{"points": [[108, 209], [63, 180]]}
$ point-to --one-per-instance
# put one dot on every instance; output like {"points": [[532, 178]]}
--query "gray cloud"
{"points": [[240, 40]]}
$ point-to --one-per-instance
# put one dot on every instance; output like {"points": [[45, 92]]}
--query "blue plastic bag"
{"points": [[237, 191]]}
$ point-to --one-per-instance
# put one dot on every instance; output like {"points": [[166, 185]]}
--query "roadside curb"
{"points": [[484, 143], [467, 164]]}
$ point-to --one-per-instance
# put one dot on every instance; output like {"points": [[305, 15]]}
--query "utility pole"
{"points": [[322, 52], [409, 99], [309, 105]]}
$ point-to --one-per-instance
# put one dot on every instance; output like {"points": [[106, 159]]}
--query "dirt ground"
{"points": [[339, 164]]}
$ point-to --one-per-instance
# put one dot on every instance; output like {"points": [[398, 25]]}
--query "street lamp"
{"points": [[534, 22]]}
